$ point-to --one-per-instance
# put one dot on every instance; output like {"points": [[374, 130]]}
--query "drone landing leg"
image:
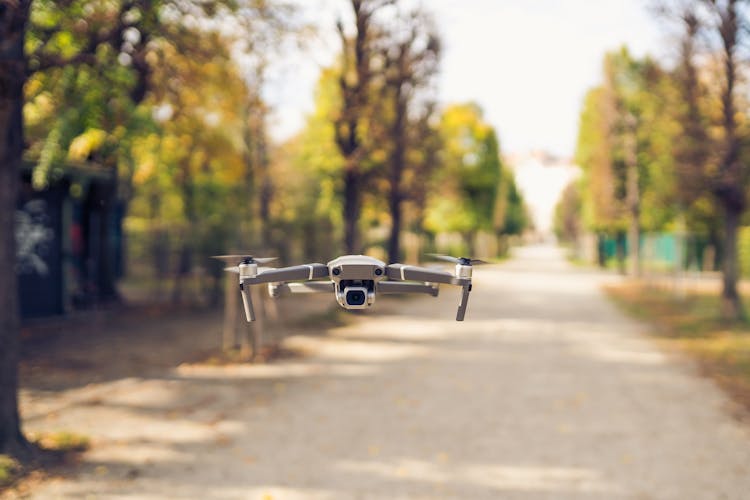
{"points": [[247, 301], [464, 302]]}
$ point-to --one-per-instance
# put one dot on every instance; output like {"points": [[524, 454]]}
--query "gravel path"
{"points": [[545, 392]]}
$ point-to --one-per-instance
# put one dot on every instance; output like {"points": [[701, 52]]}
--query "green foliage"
{"points": [[516, 218], [601, 209], [472, 190], [9, 470], [641, 92], [146, 90], [80, 91], [308, 173], [468, 181], [137, 89]]}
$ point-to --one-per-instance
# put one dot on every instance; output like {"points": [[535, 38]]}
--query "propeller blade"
{"points": [[446, 258], [241, 258], [457, 260], [231, 257], [264, 260]]}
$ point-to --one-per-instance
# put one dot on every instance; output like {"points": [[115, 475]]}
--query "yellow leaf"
{"points": [[86, 143]]}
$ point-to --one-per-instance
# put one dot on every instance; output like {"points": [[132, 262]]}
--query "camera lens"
{"points": [[355, 297]]}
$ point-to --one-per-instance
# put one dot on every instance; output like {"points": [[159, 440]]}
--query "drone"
{"points": [[355, 280]]}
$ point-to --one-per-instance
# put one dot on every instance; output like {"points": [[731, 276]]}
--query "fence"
{"points": [[673, 252]]}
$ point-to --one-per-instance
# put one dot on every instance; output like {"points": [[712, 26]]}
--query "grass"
{"points": [[61, 442], [53, 449], [692, 324], [9, 470]]}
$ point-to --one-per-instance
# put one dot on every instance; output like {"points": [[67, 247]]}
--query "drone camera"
{"points": [[355, 296]]}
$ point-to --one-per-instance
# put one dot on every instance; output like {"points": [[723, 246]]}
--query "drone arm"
{"points": [[401, 272], [310, 287], [293, 273], [397, 287]]}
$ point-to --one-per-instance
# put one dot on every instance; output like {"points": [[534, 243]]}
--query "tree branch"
{"points": [[41, 60]]}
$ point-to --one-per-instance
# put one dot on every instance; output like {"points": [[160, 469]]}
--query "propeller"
{"points": [[243, 259], [464, 261]]}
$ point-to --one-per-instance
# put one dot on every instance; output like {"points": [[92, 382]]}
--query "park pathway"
{"points": [[545, 392]]}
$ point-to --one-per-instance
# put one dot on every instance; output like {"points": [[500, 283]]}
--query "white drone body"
{"points": [[355, 280]]}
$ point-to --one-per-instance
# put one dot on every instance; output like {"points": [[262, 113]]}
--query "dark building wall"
{"points": [[39, 236], [59, 237]]}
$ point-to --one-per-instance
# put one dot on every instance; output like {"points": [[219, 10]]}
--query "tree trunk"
{"points": [[231, 312], [266, 196], [352, 208], [398, 136], [13, 18], [394, 242], [185, 257], [633, 200], [730, 190], [470, 239], [621, 251], [731, 306]]}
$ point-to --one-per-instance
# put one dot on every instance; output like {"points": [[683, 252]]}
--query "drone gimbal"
{"points": [[355, 280]]}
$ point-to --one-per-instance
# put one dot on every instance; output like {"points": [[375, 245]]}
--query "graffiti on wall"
{"points": [[34, 236]]}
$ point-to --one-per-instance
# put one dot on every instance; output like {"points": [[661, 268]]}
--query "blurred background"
{"points": [[160, 133]]}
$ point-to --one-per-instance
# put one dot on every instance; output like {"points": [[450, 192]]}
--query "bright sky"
{"points": [[528, 63]]}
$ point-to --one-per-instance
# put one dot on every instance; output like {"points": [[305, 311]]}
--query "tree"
{"points": [[693, 143], [567, 222], [624, 150], [198, 160], [515, 214], [692, 146], [307, 175], [424, 162], [13, 20], [470, 175], [411, 54], [711, 151], [729, 21], [602, 209], [115, 35], [352, 120]]}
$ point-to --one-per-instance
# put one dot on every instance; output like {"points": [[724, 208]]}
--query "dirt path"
{"points": [[546, 391]]}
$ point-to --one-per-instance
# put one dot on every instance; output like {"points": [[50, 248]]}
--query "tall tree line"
{"points": [[663, 147], [144, 89], [395, 144]]}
